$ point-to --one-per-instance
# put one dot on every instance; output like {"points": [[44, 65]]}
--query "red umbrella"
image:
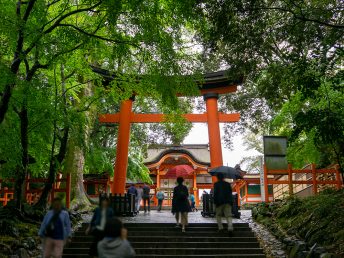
{"points": [[179, 171]]}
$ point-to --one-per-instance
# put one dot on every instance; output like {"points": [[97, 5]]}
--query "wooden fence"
{"points": [[316, 177], [33, 194], [242, 187], [122, 204]]}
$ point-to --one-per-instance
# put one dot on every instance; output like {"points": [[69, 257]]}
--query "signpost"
{"points": [[275, 157], [275, 151]]}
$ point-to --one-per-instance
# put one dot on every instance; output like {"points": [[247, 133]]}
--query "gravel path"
{"points": [[271, 245]]}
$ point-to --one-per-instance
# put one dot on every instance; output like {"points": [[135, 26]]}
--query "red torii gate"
{"points": [[213, 85]]}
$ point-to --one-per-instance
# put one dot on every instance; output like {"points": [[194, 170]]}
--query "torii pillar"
{"points": [[123, 140], [213, 83], [213, 129], [125, 117]]}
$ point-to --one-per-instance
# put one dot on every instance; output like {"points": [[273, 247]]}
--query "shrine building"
{"points": [[163, 157]]}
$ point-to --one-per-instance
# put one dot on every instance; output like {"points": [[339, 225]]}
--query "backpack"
{"points": [[160, 195], [49, 229]]}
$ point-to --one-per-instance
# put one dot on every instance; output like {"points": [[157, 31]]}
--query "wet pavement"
{"points": [[165, 216]]}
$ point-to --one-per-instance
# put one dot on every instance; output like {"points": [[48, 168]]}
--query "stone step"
{"points": [[179, 244], [209, 251], [178, 256], [199, 255], [171, 230], [178, 239], [179, 251], [180, 233], [190, 228], [172, 225], [190, 233], [164, 240]]}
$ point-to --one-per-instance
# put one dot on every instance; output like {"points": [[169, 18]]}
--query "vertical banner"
{"points": [[262, 181]]}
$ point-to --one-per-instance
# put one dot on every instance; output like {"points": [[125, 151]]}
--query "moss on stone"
{"points": [[316, 220]]}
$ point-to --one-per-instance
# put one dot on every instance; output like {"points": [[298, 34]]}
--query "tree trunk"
{"points": [[55, 164], [22, 171], [17, 58], [5, 100], [74, 165]]}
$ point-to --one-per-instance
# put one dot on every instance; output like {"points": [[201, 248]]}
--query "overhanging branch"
{"points": [[94, 35], [56, 24], [38, 65], [63, 17], [299, 17]]}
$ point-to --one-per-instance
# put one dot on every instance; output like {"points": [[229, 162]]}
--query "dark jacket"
{"points": [[95, 221], [180, 200], [64, 217], [223, 193], [146, 191], [132, 190]]}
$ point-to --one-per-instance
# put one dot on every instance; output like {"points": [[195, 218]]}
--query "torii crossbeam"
{"points": [[215, 84]]}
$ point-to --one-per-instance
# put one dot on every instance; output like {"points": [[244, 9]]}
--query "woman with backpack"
{"points": [[180, 203], [55, 230]]}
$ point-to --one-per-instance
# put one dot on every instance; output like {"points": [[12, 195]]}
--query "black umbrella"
{"points": [[228, 172]]}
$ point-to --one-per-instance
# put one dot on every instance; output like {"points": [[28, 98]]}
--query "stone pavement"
{"points": [[165, 216]]}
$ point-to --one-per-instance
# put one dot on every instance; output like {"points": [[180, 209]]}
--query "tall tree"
{"points": [[128, 39], [286, 50]]}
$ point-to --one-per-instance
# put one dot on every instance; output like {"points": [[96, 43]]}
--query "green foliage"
{"points": [[136, 170], [316, 219], [176, 126], [47, 50], [173, 130], [291, 55], [307, 121]]}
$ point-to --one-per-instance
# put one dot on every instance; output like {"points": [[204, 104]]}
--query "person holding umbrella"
{"points": [[223, 201], [180, 203]]}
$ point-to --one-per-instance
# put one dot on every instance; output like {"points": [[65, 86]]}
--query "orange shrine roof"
{"points": [[195, 155]]}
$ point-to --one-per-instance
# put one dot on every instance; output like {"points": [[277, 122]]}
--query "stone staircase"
{"points": [[164, 240]]}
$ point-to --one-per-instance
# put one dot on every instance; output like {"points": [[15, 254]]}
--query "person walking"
{"points": [[180, 203], [192, 202], [96, 227], [55, 230], [146, 198], [223, 201], [160, 196], [115, 243], [139, 198], [133, 191], [203, 196]]}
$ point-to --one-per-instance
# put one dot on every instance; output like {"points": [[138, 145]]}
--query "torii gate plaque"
{"points": [[215, 84]]}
